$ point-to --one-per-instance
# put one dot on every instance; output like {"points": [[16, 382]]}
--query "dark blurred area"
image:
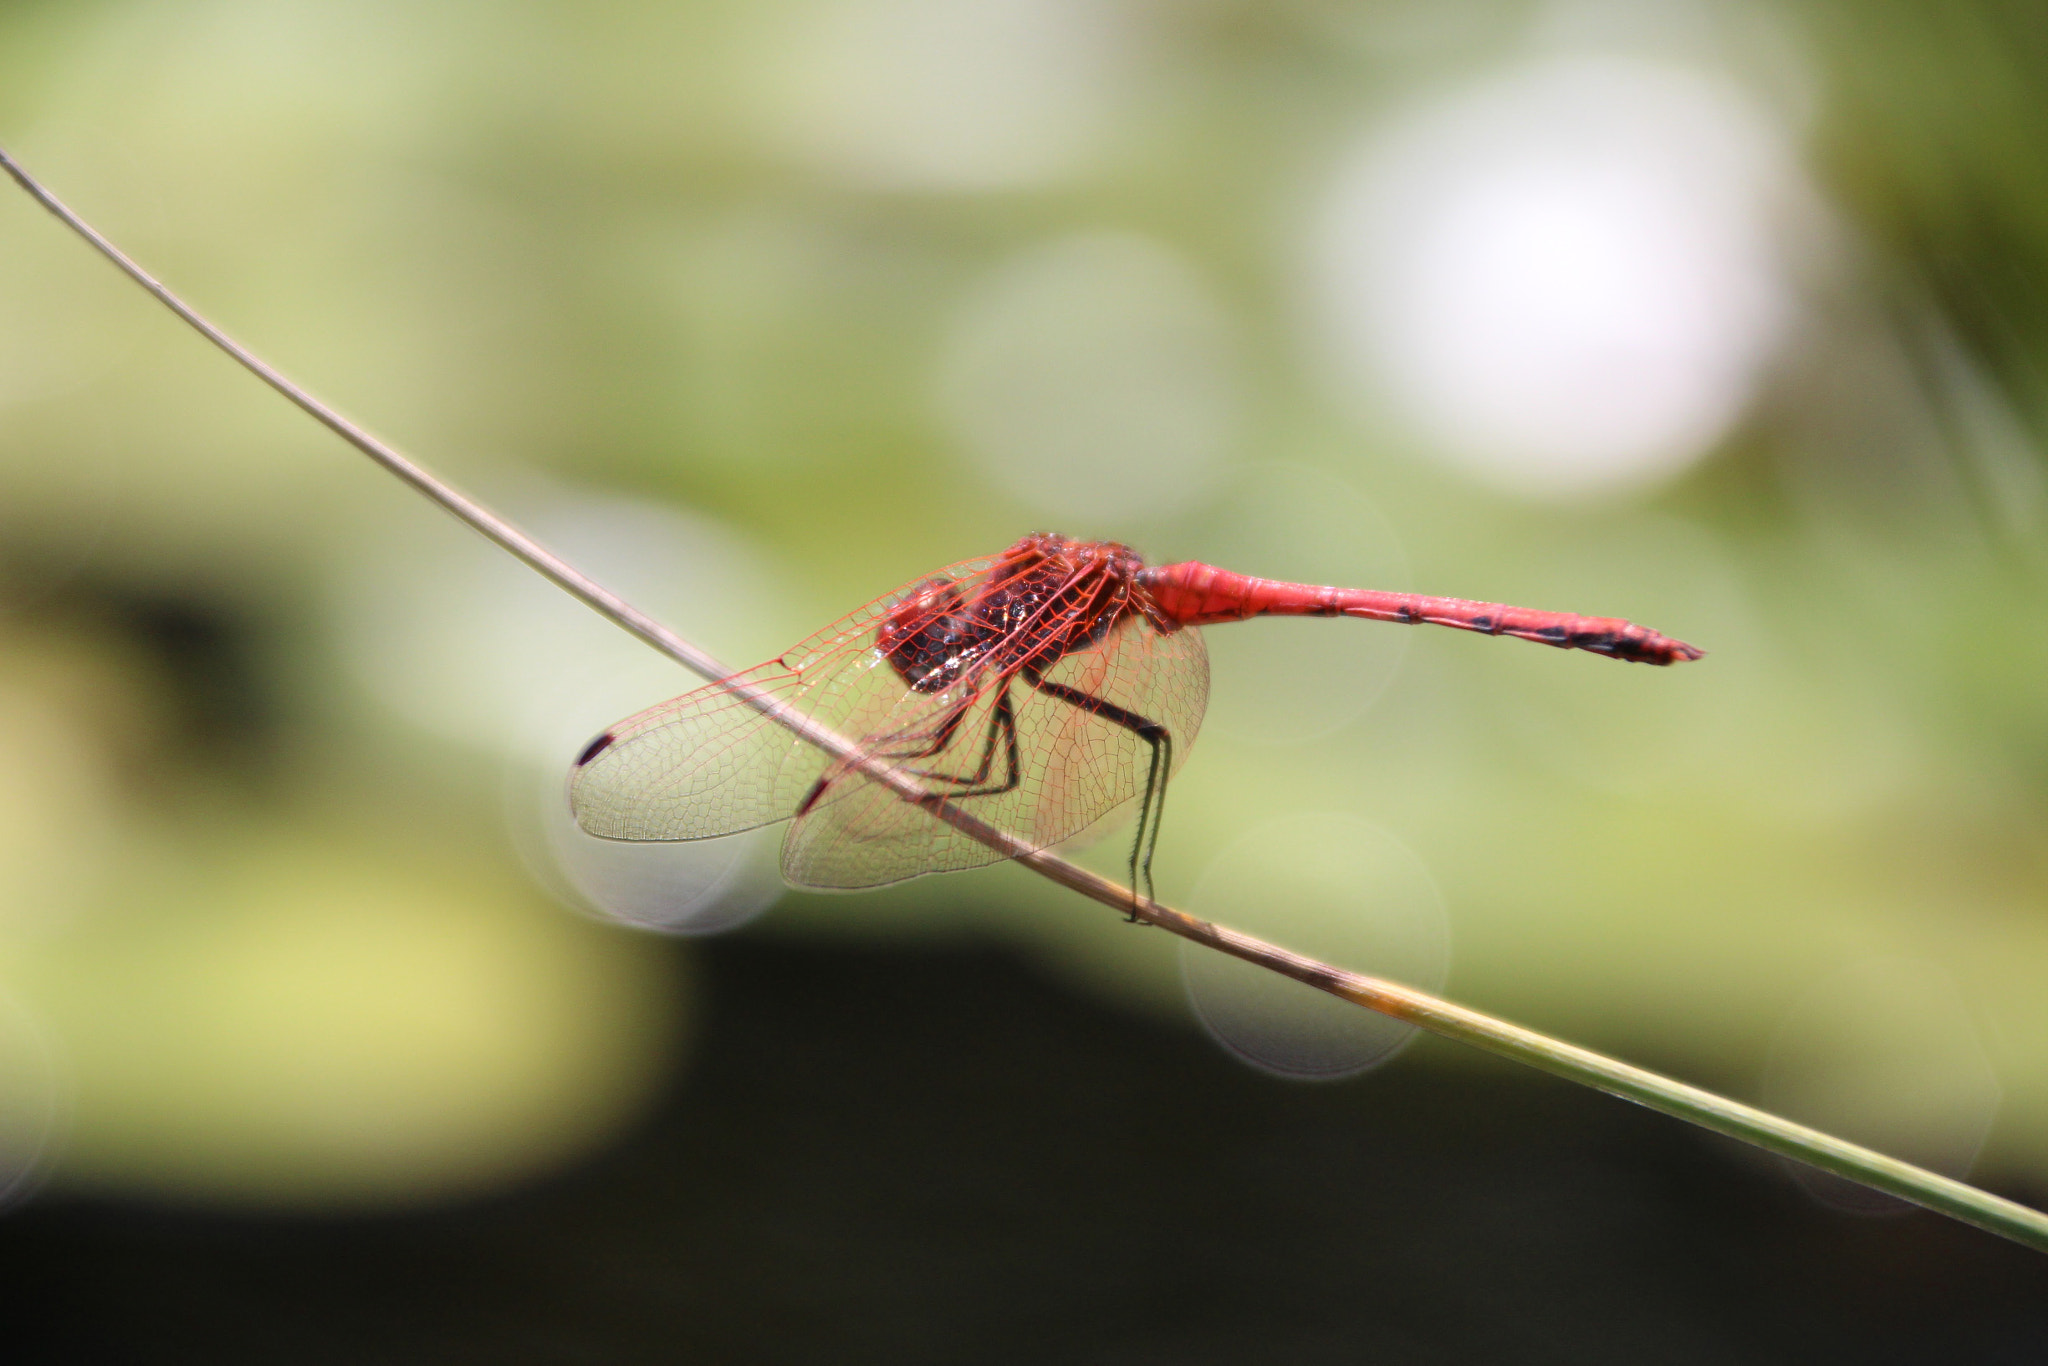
{"points": [[931, 1157], [324, 1032]]}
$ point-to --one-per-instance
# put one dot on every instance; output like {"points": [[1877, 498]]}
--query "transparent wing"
{"points": [[1075, 765], [1092, 767], [707, 763]]}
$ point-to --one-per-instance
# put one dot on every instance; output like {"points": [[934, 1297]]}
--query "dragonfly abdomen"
{"points": [[1195, 594]]}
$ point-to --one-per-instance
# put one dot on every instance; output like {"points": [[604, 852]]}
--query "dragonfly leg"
{"points": [[1003, 722], [1152, 804], [942, 735]]}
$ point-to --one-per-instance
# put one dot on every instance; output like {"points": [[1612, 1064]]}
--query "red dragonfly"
{"points": [[1042, 689]]}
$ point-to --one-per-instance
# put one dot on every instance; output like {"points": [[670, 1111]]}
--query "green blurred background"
{"points": [[1724, 318]]}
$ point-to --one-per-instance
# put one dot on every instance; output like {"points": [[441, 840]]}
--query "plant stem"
{"points": [[1873, 1169]]}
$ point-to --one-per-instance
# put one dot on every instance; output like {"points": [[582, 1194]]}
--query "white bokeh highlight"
{"points": [[692, 888], [36, 1091], [1095, 378], [1340, 889], [462, 641], [1569, 278], [1885, 1053]]}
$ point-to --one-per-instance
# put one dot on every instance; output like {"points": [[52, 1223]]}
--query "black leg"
{"points": [[1004, 719], [1152, 804]]}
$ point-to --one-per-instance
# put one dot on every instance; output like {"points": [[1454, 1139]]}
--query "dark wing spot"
{"points": [[594, 748]]}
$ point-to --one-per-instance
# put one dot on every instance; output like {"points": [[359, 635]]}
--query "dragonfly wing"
{"points": [[860, 834], [700, 765], [708, 763], [1090, 765], [1075, 766]]}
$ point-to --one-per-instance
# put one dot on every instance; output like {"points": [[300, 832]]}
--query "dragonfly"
{"points": [[1043, 689]]}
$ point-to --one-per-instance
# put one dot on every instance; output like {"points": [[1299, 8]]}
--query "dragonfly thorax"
{"points": [[1044, 598], [930, 637]]}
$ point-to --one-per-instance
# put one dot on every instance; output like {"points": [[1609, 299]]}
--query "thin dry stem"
{"points": [[1439, 1016]]}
